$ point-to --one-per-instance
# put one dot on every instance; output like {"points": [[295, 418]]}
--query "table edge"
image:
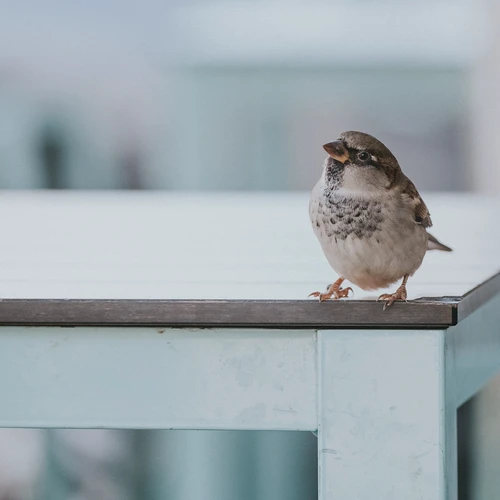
{"points": [[478, 296], [422, 313], [281, 314]]}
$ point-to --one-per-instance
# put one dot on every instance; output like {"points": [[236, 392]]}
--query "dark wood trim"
{"points": [[230, 313], [478, 296], [426, 312]]}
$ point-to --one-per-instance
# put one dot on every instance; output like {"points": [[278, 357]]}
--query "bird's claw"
{"points": [[343, 292], [390, 298], [336, 294]]}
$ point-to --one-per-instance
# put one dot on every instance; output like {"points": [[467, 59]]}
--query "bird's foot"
{"points": [[336, 293], [390, 298]]}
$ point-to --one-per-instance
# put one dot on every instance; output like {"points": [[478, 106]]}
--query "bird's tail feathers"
{"points": [[434, 244]]}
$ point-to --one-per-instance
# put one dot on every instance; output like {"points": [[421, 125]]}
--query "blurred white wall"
{"points": [[485, 108], [241, 94], [485, 177], [255, 88], [262, 127], [37, 134], [21, 462]]}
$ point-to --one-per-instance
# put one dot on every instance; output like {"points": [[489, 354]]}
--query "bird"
{"points": [[369, 218]]}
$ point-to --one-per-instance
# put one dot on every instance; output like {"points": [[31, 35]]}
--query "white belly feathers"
{"points": [[369, 242]]}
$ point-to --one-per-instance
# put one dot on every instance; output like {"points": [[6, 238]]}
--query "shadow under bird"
{"points": [[369, 218]]}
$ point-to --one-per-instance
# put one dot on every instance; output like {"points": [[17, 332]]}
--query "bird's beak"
{"points": [[337, 151]]}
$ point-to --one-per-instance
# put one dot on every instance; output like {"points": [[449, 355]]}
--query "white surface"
{"points": [[319, 33], [221, 246], [21, 462]]}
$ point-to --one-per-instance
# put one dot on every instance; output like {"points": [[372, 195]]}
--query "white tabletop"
{"points": [[160, 245]]}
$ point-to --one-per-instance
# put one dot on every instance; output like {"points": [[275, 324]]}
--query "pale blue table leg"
{"points": [[386, 427]]}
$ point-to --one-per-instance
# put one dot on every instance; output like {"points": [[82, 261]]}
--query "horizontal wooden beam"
{"points": [[428, 313], [158, 379]]}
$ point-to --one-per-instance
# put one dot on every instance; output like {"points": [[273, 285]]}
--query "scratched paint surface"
{"points": [[382, 415], [146, 377]]}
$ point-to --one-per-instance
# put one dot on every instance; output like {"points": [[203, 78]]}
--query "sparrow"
{"points": [[369, 218]]}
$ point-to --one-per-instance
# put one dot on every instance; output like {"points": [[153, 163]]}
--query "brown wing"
{"points": [[421, 213]]}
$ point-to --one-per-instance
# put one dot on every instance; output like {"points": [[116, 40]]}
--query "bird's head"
{"points": [[359, 162]]}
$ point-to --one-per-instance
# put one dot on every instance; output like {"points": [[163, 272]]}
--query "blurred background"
{"points": [[236, 95]]}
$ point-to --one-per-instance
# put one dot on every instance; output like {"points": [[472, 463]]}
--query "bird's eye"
{"points": [[363, 156]]}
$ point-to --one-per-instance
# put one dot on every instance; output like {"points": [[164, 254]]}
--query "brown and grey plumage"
{"points": [[369, 217]]}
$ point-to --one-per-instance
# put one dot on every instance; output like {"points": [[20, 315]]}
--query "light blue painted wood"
{"points": [[474, 350], [384, 422], [155, 378], [387, 405]]}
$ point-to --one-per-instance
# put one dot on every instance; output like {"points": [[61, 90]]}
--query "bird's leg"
{"points": [[399, 294], [333, 291]]}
